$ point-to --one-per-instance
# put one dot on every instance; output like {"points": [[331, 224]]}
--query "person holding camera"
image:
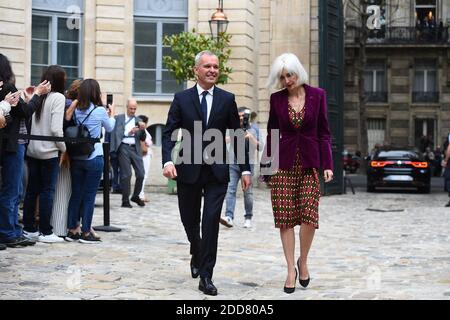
{"points": [[252, 146], [126, 141], [86, 170]]}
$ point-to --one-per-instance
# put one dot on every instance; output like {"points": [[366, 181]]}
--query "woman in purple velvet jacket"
{"points": [[299, 113]]}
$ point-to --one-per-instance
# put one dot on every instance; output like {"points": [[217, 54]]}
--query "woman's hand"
{"points": [[111, 110], [43, 88], [13, 98], [328, 176], [2, 122], [64, 161], [71, 109]]}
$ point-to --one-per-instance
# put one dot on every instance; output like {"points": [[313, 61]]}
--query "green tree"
{"points": [[186, 45]]}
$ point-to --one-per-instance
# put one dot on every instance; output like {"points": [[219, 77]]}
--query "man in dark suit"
{"points": [[202, 109]]}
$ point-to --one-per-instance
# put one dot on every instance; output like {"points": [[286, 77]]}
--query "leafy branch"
{"points": [[186, 45]]}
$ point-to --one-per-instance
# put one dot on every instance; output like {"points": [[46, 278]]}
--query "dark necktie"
{"points": [[205, 109]]}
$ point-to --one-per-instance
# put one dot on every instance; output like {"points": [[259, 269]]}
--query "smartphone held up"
{"points": [[109, 100]]}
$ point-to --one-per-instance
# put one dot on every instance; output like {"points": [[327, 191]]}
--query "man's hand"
{"points": [[170, 172], [328, 176], [134, 131], [252, 139], [246, 182]]}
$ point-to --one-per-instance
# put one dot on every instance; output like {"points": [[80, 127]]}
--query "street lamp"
{"points": [[219, 22]]}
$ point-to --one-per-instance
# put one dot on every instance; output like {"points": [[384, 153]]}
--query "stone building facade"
{"points": [[118, 42], [407, 76]]}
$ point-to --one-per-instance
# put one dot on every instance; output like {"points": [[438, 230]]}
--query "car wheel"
{"points": [[425, 189]]}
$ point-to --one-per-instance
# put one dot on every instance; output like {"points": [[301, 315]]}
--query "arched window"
{"points": [[156, 131]]}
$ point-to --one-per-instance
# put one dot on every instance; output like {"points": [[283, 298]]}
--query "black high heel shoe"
{"points": [[291, 290], [303, 283]]}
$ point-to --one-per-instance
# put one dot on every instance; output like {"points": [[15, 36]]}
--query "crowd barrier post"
{"points": [[106, 192]]}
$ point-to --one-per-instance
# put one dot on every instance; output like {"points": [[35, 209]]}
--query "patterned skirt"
{"points": [[295, 196]]}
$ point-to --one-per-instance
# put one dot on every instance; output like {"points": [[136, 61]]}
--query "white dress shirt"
{"points": [[209, 101], [128, 127], [209, 98]]}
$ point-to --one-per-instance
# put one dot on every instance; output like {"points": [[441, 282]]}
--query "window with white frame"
{"points": [[425, 79], [375, 81], [153, 21], [56, 38]]}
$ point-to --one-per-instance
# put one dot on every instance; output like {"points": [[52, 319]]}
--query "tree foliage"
{"points": [[186, 45]]}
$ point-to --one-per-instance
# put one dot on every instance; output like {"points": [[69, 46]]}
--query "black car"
{"points": [[398, 167]]}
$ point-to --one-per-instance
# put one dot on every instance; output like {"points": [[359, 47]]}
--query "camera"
{"points": [[246, 120]]}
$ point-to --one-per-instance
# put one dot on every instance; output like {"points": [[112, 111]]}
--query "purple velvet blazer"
{"points": [[313, 138]]}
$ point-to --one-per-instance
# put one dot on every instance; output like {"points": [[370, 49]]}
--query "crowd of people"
{"points": [[58, 189], [428, 30]]}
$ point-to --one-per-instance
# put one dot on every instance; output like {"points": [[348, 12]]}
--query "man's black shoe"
{"points": [[207, 287], [448, 204], [138, 201], [195, 271], [2, 247], [126, 205]]}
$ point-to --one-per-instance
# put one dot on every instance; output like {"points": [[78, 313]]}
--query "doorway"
{"points": [[425, 134]]}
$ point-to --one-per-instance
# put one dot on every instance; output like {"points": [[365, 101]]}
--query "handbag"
{"points": [[144, 148], [263, 167]]}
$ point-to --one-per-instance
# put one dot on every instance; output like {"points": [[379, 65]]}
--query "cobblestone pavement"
{"points": [[369, 246]]}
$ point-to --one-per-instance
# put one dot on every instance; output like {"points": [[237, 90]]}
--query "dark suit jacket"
{"points": [[184, 111], [117, 135], [313, 138]]}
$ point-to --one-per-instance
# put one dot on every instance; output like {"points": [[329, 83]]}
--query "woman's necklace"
{"points": [[297, 103]]}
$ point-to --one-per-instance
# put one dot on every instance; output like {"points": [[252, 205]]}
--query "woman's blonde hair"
{"points": [[290, 63]]}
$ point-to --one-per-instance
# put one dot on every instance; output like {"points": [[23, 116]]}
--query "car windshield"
{"points": [[398, 154]]}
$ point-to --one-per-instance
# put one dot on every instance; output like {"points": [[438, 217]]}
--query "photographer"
{"points": [[125, 140], [252, 146]]}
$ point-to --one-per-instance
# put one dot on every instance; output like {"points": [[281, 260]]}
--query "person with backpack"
{"points": [[86, 170], [43, 159]]}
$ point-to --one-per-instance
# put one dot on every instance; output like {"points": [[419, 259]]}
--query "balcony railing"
{"points": [[429, 96], [378, 96], [402, 35]]}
